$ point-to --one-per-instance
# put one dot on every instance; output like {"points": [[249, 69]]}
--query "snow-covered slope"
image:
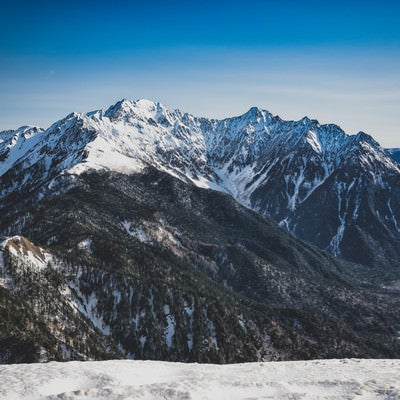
{"points": [[321, 184], [326, 379]]}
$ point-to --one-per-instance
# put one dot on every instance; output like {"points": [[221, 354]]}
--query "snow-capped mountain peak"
{"points": [[279, 168], [15, 144], [132, 134]]}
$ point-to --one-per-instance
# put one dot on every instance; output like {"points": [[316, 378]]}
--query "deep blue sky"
{"points": [[334, 61]]}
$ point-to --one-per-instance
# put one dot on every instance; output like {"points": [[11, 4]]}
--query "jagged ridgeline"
{"points": [[115, 246], [339, 192]]}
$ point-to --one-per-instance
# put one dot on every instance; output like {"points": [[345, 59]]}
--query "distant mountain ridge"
{"points": [[336, 191], [394, 153]]}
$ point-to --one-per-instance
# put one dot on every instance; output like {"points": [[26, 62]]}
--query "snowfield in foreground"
{"points": [[325, 379]]}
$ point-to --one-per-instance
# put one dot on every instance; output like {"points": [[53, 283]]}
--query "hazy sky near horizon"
{"points": [[338, 62]]}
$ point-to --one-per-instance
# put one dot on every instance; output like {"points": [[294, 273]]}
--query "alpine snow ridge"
{"points": [[337, 191]]}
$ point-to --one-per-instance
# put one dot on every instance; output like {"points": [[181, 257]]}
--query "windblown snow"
{"points": [[327, 379]]}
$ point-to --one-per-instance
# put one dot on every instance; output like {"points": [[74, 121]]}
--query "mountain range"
{"points": [[145, 232]]}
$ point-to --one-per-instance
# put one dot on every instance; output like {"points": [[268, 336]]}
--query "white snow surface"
{"points": [[320, 379]]}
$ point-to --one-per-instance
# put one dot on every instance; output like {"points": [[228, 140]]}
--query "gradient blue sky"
{"points": [[334, 61]]}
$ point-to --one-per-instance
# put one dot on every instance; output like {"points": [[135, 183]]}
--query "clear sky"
{"points": [[335, 61]]}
